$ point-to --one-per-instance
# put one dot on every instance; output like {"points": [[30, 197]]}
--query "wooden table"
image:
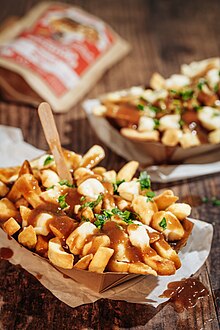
{"points": [[163, 35]]}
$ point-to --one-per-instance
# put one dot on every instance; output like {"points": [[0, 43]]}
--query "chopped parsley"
{"points": [[156, 123], [186, 95], [51, 187], [181, 123], [197, 107], [94, 203], [116, 185], [62, 201], [213, 200], [153, 108], [140, 107], [126, 216], [201, 83], [66, 183], [144, 180], [48, 160], [163, 223], [150, 195], [82, 198], [216, 87], [100, 220]]}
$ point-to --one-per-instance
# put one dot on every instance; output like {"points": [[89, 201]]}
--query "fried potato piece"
{"points": [[141, 268], [135, 135], [72, 159], [171, 137], [165, 199], [11, 226], [121, 203], [3, 189], [157, 81], [99, 170], [28, 237], [58, 256], [168, 224], [140, 239], [42, 246], [110, 176], [128, 171], [84, 262], [25, 168], [161, 265], [100, 259], [92, 246], [144, 209], [180, 210], [7, 209], [118, 266], [76, 240], [25, 214], [63, 226], [27, 186], [188, 140], [93, 156], [166, 251], [108, 202]]}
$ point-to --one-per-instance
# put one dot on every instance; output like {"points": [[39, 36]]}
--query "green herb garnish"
{"points": [[62, 201], [48, 160], [126, 216], [163, 223], [150, 195], [201, 83], [82, 198], [100, 220], [116, 185], [181, 123], [51, 187], [153, 108], [140, 107], [216, 88], [197, 107], [215, 202], [66, 183], [187, 95], [144, 180], [94, 203], [156, 123]]}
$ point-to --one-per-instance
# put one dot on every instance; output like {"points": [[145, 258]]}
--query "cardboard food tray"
{"points": [[146, 153], [100, 282]]}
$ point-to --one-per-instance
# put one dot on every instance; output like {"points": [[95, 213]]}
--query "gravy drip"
{"points": [[6, 253], [185, 294]]}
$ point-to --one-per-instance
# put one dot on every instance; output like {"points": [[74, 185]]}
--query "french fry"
{"points": [[84, 262], [28, 237], [165, 199], [11, 226], [128, 171], [58, 256], [7, 209], [100, 259]]}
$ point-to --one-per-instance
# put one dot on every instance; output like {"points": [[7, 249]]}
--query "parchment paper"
{"points": [[144, 289], [193, 166]]}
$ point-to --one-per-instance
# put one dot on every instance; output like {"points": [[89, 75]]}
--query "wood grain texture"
{"points": [[163, 35]]}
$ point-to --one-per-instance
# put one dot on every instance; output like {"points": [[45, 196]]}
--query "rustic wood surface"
{"points": [[163, 35]]}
